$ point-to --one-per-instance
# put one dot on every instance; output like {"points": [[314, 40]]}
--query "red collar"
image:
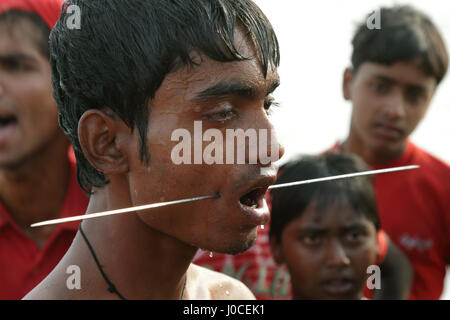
{"points": [[404, 159]]}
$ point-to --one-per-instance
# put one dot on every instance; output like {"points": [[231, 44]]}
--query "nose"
{"points": [[336, 255], [395, 106], [270, 148]]}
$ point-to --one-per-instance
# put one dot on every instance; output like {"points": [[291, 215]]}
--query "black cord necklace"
{"points": [[112, 287]]}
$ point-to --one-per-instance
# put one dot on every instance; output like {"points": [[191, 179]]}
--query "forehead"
{"points": [[335, 215], [188, 80], [19, 36], [402, 72]]}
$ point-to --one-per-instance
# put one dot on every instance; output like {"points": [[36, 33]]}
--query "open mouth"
{"points": [[253, 199], [8, 128], [340, 286], [7, 121]]}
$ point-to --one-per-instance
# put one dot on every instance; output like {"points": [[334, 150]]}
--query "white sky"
{"points": [[315, 47]]}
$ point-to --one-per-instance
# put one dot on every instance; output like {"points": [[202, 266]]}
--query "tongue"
{"points": [[247, 201], [251, 198]]}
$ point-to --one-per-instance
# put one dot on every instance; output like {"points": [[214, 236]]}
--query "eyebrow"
{"points": [[233, 87], [390, 80], [319, 229], [353, 226], [312, 229], [385, 78], [17, 57]]}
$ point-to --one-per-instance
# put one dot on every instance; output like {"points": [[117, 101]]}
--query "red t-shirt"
{"points": [[414, 209], [22, 264]]}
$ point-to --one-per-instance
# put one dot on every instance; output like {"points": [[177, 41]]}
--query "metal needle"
{"points": [[124, 210], [342, 176], [217, 195]]}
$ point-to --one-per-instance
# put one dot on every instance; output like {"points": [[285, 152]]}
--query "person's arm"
{"points": [[397, 275]]}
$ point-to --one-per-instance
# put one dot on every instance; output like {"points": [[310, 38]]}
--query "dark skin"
{"points": [[32, 146], [327, 253], [388, 104], [148, 255]]}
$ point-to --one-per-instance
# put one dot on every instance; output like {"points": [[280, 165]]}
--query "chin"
{"points": [[389, 147], [235, 247], [241, 247]]}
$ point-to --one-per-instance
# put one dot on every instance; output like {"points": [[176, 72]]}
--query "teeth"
{"points": [[251, 198], [249, 202]]}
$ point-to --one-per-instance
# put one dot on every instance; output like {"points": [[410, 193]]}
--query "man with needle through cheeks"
{"points": [[149, 68]]}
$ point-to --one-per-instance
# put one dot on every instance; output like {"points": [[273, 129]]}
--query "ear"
{"points": [[346, 83], [104, 139], [277, 250]]}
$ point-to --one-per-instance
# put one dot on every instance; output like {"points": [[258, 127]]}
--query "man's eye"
{"points": [[354, 236], [268, 106], [222, 116], [380, 87], [14, 66], [312, 239], [414, 96]]}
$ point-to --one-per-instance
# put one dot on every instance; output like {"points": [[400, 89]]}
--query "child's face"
{"points": [[328, 252]]}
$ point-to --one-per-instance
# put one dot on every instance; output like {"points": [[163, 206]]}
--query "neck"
{"points": [[141, 262], [354, 144], [35, 190]]}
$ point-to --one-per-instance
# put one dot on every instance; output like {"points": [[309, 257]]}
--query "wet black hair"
{"points": [[290, 203], [125, 48], [405, 33], [13, 17]]}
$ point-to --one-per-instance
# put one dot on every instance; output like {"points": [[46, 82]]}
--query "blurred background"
{"points": [[315, 41]]}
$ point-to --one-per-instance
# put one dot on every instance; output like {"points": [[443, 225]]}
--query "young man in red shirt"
{"points": [[37, 173], [394, 75]]}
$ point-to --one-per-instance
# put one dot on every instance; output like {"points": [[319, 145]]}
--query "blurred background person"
{"points": [[37, 168], [394, 75]]}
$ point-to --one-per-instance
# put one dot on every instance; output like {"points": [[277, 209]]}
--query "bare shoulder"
{"points": [[46, 290], [61, 283], [37, 294], [208, 284]]}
